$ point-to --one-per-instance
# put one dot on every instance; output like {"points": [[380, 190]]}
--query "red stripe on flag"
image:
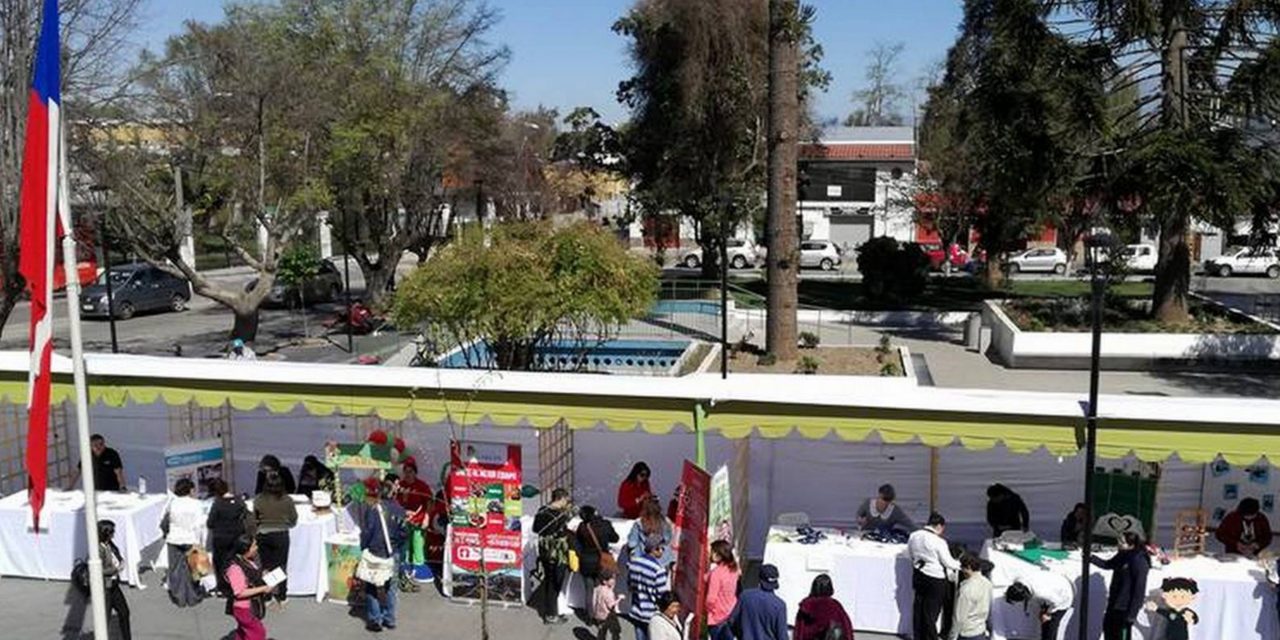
{"points": [[33, 264]]}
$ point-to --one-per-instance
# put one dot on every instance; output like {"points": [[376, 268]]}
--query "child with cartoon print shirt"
{"points": [[1176, 614]]}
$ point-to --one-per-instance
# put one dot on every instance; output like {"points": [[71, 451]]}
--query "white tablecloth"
{"points": [[1234, 603], [61, 540], [872, 580], [572, 593]]}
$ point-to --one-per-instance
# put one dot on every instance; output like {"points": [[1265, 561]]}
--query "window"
{"points": [[812, 246]]}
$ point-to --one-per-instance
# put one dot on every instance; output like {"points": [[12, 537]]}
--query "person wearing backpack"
{"points": [[821, 616], [246, 601], [112, 565]]}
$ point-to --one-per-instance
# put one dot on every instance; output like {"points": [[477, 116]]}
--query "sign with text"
{"points": [[691, 535], [199, 462], [721, 509], [484, 539]]}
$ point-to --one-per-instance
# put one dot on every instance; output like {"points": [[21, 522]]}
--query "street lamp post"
{"points": [[724, 293], [1098, 285]]}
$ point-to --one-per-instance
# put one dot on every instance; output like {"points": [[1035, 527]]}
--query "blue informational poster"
{"points": [[198, 461]]}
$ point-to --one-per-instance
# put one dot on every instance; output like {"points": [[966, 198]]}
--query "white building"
{"points": [[854, 185]]}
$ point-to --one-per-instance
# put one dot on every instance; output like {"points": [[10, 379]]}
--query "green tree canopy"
{"points": [[524, 286]]}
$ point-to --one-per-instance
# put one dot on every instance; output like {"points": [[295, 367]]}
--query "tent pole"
{"points": [[699, 419], [1091, 445], [933, 479]]}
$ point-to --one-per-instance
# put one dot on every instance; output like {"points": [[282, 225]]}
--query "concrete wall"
{"points": [[1017, 349]]}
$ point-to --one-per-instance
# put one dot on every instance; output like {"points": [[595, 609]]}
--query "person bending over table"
{"points": [[108, 470], [1245, 531], [1049, 593], [1006, 511], [1129, 567], [881, 512], [933, 566]]}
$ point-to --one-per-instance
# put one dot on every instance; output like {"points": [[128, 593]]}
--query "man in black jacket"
{"points": [[1006, 511], [1128, 587]]}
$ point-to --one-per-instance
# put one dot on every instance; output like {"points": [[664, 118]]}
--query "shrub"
{"points": [[889, 369], [767, 360], [892, 272], [807, 365], [809, 339]]}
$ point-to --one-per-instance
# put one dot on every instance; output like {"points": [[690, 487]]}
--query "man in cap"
{"points": [[240, 352], [760, 614], [647, 580], [382, 536]]}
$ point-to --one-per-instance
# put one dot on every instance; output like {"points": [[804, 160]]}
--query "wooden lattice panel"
{"points": [[555, 459], [192, 423], [13, 447]]}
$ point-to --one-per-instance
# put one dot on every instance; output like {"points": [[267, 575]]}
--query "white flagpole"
{"points": [[97, 587]]}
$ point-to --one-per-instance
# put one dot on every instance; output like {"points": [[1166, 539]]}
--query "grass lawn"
{"points": [[940, 294]]}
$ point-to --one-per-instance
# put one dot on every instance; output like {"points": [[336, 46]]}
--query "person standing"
{"points": [[228, 520], [1006, 511], [651, 522], [246, 590], [183, 526], [604, 606], [973, 603], [933, 567], [1128, 589], [821, 616], [551, 524], [382, 537], [647, 579], [1245, 531], [722, 590], [314, 476], [271, 463], [108, 469], [881, 512], [634, 490], [112, 565], [760, 614], [1049, 594], [1071, 534], [275, 514], [592, 539], [669, 623]]}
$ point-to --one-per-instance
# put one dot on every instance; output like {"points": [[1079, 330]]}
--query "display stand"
{"points": [[1189, 533], [342, 550]]}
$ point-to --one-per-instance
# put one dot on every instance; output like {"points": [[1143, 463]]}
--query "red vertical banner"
{"points": [[692, 519], [484, 521]]}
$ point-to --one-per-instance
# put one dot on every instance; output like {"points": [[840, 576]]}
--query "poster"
{"points": [[341, 557], [484, 522], [1225, 485], [721, 510], [199, 462], [691, 546]]}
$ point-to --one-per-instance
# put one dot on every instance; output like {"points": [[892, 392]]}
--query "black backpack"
{"points": [[80, 576]]}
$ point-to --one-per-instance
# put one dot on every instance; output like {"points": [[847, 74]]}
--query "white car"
{"points": [[822, 254], [742, 254], [1045, 260], [1141, 258], [1247, 260]]}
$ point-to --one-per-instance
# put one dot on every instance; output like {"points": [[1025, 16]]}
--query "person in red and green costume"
{"points": [[415, 496]]}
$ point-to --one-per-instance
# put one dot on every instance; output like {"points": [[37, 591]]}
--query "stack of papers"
{"points": [[274, 577]]}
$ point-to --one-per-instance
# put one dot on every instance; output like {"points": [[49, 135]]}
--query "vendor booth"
{"points": [[810, 446]]}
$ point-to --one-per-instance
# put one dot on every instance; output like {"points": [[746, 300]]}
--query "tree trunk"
{"points": [[1173, 273], [246, 325], [376, 278], [7, 302], [710, 259], [784, 118]]}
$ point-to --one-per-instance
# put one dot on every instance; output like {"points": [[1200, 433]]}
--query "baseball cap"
{"points": [[237, 343], [768, 577]]}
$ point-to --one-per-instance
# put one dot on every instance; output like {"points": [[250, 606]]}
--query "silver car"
{"points": [[743, 254], [820, 254]]}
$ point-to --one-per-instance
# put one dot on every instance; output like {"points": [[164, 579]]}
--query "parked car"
{"points": [[938, 258], [135, 287], [822, 254], [1249, 260], [324, 286], [742, 254], [1141, 258], [1045, 260]]}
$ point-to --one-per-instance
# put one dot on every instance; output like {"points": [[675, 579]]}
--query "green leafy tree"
{"points": [[527, 286], [297, 266]]}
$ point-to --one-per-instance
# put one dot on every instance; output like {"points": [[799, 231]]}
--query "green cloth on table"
{"points": [[1035, 556]]}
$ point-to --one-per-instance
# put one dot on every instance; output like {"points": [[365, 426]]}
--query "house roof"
{"points": [[858, 151]]}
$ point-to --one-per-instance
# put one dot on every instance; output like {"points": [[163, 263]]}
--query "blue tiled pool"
{"points": [[654, 356], [703, 307]]}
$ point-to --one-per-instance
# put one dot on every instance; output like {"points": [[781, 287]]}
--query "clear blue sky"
{"points": [[564, 54]]}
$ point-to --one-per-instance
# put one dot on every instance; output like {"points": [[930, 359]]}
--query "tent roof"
{"points": [[774, 406]]}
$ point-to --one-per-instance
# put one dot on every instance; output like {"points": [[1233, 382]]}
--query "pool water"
{"points": [[670, 307], [654, 356]]}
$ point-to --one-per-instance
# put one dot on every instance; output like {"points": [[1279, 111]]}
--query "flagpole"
{"points": [[97, 586]]}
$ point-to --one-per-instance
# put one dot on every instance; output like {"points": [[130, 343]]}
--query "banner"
{"points": [[721, 510], [691, 545], [484, 522], [199, 462], [341, 557]]}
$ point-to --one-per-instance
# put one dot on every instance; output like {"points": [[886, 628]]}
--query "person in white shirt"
{"points": [[933, 566], [183, 524], [240, 351], [1050, 595], [670, 623], [973, 603], [880, 512]]}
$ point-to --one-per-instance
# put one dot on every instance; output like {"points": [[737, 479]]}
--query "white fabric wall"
{"points": [[827, 479]]}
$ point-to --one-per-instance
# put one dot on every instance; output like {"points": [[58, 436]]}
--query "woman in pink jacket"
{"points": [[722, 590]]}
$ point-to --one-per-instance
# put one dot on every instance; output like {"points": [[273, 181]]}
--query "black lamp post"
{"points": [[724, 292], [98, 194]]}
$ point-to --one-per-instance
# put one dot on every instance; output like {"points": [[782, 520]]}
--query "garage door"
{"points": [[849, 232]]}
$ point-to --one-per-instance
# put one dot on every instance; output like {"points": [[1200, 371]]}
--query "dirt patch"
{"points": [[832, 361]]}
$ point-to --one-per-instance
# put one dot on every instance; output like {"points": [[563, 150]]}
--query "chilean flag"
{"points": [[41, 176]]}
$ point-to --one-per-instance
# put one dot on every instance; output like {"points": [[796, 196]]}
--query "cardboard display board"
{"points": [[198, 462], [1225, 485], [485, 505], [691, 542], [1127, 489]]}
